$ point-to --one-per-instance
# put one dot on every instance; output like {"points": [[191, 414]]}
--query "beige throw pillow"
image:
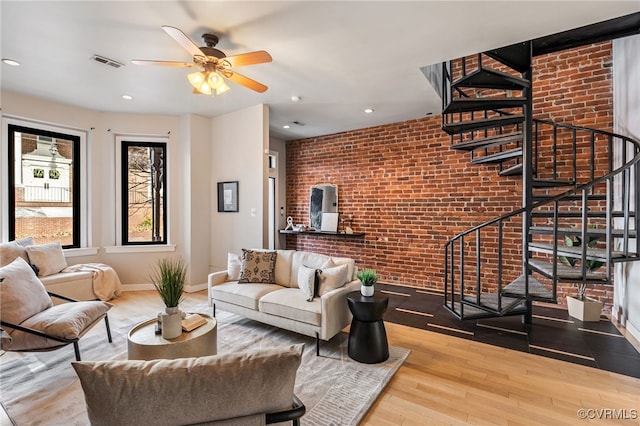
{"points": [[189, 390], [48, 258], [22, 295], [258, 267], [332, 278]]}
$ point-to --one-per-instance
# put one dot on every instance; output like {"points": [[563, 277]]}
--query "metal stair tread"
{"points": [[485, 123], [577, 213], [565, 273], [470, 312], [516, 56], [479, 104], [491, 79], [488, 141], [512, 171], [537, 290], [601, 232], [575, 197], [549, 183], [574, 251], [498, 157], [489, 301]]}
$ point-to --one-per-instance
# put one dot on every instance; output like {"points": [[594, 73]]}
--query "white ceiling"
{"points": [[339, 57]]}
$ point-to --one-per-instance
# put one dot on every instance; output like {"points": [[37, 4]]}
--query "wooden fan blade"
{"points": [[250, 58], [247, 82], [164, 63], [183, 40]]}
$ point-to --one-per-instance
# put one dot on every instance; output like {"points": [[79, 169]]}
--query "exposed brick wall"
{"points": [[410, 193]]}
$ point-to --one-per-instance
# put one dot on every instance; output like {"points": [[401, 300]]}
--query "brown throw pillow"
{"points": [[258, 267]]}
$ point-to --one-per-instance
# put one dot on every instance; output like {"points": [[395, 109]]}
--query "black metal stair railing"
{"points": [[480, 260]]}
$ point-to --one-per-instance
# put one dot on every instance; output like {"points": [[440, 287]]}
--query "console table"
{"points": [[323, 233]]}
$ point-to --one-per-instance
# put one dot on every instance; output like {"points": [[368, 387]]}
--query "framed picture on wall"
{"points": [[228, 196]]}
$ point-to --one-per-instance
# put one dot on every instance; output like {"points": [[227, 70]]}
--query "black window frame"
{"points": [[76, 181], [124, 179]]}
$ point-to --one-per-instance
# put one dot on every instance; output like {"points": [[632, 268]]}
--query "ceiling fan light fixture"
{"points": [[223, 88], [215, 80], [199, 80]]}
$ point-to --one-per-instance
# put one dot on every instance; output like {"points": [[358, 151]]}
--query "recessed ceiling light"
{"points": [[127, 97], [368, 110], [296, 99], [286, 126], [11, 62]]}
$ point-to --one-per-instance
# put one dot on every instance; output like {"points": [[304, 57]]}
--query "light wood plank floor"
{"points": [[452, 381]]}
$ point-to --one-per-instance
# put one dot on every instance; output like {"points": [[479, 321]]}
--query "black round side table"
{"points": [[367, 336]]}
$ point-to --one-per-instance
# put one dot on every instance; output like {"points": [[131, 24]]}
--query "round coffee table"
{"points": [[367, 335], [143, 343]]}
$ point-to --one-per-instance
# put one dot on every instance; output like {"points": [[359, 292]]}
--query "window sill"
{"points": [[141, 248], [84, 251]]}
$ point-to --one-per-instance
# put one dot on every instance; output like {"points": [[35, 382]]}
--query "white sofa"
{"points": [[282, 303]]}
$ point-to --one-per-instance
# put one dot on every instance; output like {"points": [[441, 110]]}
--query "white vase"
{"points": [[171, 323], [366, 290]]}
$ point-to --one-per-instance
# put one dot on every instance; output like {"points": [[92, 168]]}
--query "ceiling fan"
{"points": [[216, 66]]}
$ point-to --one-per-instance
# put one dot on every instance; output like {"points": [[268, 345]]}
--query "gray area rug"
{"points": [[42, 388]]}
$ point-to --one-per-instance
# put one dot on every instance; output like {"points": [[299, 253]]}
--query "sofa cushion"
{"points": [[21, 285], [258, 267], [189, 390], [308, 259], [234, 266], [291, 303], [307, 282], [246, 295], [48, 258], [67, 321], [14, 249], [283, 267], [332, 278]]}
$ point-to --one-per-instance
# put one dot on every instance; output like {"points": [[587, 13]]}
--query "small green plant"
{"points": [[590, 265], [168, 279], [367, 277]]}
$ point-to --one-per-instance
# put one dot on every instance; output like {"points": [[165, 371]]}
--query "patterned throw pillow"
{"points": [[258, 267]]}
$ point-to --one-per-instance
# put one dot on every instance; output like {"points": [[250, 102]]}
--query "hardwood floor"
{"points": [[451, 381]]}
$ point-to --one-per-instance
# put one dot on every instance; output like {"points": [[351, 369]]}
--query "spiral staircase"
{"points": [[573, 191]]}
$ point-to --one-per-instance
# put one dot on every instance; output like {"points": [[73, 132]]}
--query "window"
{"points": [[44, 186], [144, 208]]}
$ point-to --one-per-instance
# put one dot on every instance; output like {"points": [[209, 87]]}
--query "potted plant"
{"points": [[581, 307], [168, 279], [367, 279]]}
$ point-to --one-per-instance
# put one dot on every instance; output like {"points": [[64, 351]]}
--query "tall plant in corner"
{"points": [[590, 265]]}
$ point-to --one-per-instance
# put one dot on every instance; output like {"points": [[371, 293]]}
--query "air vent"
{"points": [[107, 61]]}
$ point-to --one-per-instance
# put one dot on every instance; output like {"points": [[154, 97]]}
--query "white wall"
{"points": [[239, 150], [280, 147], [201, 152], [626, 104]]}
